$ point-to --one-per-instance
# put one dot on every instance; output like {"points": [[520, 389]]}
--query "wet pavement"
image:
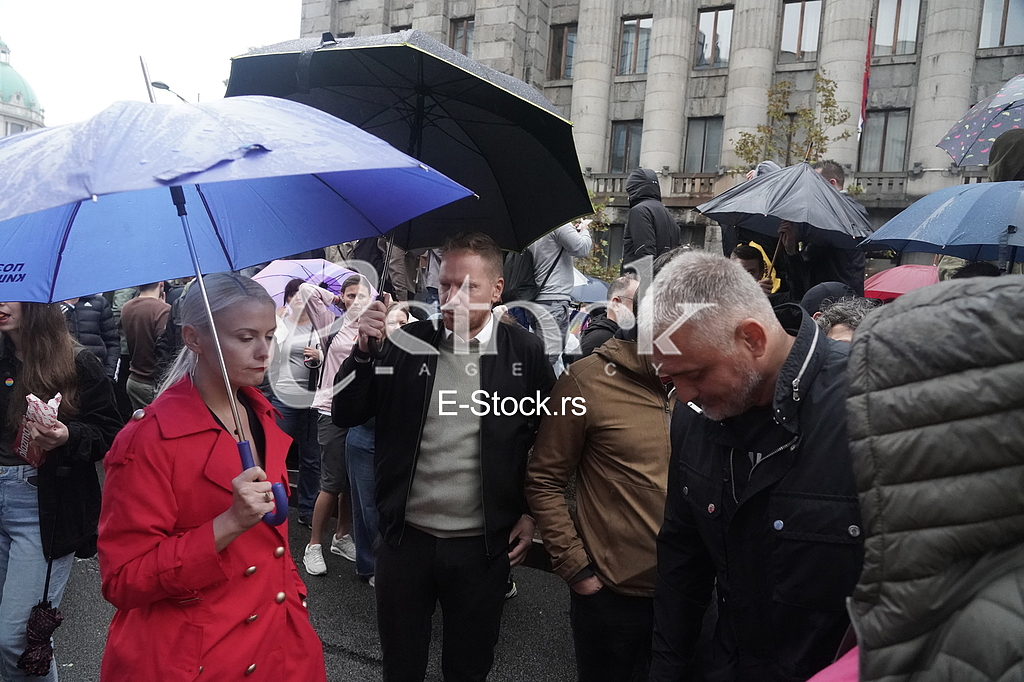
{"points": [[535, 645]]}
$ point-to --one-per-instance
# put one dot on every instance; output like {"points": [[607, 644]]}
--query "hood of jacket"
{"points": [[624, 356], [935, 410], [642, 184]]}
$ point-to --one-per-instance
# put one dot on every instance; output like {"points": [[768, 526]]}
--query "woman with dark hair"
{"points": [[49, 513], [200, 583]]}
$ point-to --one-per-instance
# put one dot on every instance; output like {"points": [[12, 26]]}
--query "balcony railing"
{"points": [[700, 186], [609, 183], [882, 185]]}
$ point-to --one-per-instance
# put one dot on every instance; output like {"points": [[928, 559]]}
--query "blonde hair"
{"points": [[225, 289]]}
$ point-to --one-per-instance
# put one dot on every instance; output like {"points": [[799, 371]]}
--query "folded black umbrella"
{"points": [[486, 130], [42, 622]]}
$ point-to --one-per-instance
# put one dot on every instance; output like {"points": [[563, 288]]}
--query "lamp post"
{"points": [[160, 85]]}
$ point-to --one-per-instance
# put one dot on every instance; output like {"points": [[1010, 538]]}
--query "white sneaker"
{"points": [[344, 546], [373, 583], [313, 560]]}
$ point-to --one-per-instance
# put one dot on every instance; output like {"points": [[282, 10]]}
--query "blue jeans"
{"points": [[359, 450], [301, 426], [23, 569]]}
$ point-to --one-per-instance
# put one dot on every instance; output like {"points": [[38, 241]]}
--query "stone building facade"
{"points": [[19, 106], [668, 84]]}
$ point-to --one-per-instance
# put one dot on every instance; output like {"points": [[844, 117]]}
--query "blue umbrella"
{"points": [[587, 289], [85, 207], [262, 178], [978, 222]]}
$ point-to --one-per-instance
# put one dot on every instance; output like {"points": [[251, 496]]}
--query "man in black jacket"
{"points": [[620, 296], [761, 494], [456, 408], [650, 228], [91, 321]]}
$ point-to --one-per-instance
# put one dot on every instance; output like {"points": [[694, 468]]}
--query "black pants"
{"points": [[612, 636], [412, 578]]}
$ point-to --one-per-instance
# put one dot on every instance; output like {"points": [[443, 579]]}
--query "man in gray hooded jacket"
{"points": [[650, 228]]}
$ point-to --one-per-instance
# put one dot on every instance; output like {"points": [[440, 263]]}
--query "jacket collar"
{"points": [[184, 413], [801, 366]]}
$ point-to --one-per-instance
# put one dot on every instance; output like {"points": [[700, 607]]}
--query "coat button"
{"points": [[281, 596], [711, 509], [251, 669], [252, 618], [686, 490], [854, 531], [279, 552], [200, 668], [138, 414], [778, 525], [250, 570]]}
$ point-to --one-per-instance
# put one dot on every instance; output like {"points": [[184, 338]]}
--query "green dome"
{"points": [[13, 86]]}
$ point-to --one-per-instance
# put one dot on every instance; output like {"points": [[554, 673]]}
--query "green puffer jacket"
{"points": [[936, 423]]}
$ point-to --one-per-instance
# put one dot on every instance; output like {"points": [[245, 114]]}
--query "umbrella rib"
{"points": [[216, 229], [63, 245], [345, 199]]}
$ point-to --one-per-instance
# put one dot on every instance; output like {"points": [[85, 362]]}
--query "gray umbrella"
{"points": [[491, 132], [798, 194]]}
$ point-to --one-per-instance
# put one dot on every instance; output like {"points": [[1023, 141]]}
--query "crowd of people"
{"points": [[744, 470]]}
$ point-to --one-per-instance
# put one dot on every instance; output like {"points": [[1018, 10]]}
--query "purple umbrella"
{"points": [[970, 140], [316, 271]]}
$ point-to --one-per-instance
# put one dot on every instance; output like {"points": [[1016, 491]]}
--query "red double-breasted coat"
{"points": [[185, 611]]}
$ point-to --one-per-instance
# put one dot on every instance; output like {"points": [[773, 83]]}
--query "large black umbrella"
{"points": [[489, 131], [798, 194]]}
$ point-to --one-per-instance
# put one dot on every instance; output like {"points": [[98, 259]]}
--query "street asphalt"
{"points": [[535, 645]]}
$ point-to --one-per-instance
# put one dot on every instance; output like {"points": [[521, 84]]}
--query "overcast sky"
{"points": [[81, 56]]}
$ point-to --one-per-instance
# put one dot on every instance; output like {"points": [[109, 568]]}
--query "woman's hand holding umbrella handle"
{"points": [[250, 491]]}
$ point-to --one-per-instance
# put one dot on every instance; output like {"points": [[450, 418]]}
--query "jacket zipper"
{"points": [[732, 474], [803, 368], [416, 456]]}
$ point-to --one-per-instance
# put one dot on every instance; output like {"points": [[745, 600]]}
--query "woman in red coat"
{"points": [[200, 584]]}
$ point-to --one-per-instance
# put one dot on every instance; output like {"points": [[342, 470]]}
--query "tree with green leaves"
{"points": [[795, 134]]}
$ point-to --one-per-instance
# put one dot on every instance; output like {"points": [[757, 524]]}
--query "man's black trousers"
{"points": [[422, 571], [612, 636]]}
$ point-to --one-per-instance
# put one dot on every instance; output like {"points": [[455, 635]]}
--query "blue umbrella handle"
{"points": [[278, 516]]}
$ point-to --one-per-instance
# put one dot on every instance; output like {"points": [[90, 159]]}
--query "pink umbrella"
{"points": [[894, 282]]}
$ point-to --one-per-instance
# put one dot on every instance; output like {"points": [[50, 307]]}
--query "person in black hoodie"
{"points": [[650, 228], [91, 323]]}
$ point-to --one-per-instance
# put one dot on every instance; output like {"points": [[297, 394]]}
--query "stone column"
{"points": [[317, 18], [948, 45], [499, 35], [374, 17], [593, 66], [844, 45], [429, 16], [672, 34], [752, 61]]}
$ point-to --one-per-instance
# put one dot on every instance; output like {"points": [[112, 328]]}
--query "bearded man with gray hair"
{"points": [[761, 495]]}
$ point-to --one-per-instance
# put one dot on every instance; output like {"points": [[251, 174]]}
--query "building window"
{"points": [[801, 21], [625, 146], [635, 45], [461, 38], [883, 144], [347, 34], [703, 145], [563, 45], [896, 29], [714, 32], [15, 128], [399, 29], [1002, 23]]}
